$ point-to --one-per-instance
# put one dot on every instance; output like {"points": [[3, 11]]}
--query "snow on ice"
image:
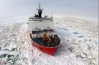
{"points": [[79, 43]]}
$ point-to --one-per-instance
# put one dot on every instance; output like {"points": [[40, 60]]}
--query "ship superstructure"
{"points": [[38, 23]]}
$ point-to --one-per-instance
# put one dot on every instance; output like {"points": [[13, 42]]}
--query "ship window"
{"points": [[40, 20], [35, 20]]}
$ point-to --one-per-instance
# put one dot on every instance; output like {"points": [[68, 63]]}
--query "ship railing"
{"points": [[39, 19], [38, 35], [41, 31]]}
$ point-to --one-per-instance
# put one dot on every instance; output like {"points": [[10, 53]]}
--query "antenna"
{"points": [[39, 5], [51, 13]]}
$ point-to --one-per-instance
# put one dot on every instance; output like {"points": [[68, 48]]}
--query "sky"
{"points": [[83, 8]]}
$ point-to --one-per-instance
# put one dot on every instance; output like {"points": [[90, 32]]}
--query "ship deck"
{"points": [[54, 41]]}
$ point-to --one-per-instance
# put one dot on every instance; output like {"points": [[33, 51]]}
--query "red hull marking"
{"points": [[48, 50]]}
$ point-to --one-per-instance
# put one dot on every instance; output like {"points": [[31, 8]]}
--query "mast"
{"points": [[40, 11], [39, 5]]}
